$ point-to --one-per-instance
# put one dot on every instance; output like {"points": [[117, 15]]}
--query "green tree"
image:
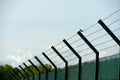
{"points": [[49, 67]]}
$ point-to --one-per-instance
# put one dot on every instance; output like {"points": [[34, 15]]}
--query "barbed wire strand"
{"points": [[98, 50], [92, 27], [114, 22], [92, 40], [97, 30], [89, 48], [97, 23], [111, 14]]}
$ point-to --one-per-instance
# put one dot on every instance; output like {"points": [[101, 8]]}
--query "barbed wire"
{"points": [[90, 41], [81, 45], [86, 30], [93, 26], [114, 22], [92, 33], [111, 14], [96, 31], [87, 49], [98, 50]]}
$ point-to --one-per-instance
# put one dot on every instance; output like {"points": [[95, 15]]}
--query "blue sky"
{"points": [[28, 27]]}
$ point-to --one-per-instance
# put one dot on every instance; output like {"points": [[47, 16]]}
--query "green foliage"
{"points": [[42, 70], [49, 67], [7, 68], [2, 70]]}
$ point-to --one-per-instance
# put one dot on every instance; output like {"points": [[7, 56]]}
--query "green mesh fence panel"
{"points": [[109, 70], [51, 76], [88, 71], [73, 73], [43, 77], [61, 75]]}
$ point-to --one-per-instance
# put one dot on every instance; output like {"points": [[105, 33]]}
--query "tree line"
{"points": [[8, 69]]}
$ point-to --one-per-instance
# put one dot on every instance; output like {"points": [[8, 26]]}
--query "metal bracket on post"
{"points": [[25, 72], [66, 63], [29, 70], [55, 76], [77, 55], [96, 52], [39, 73], [20, 73], [109, 32], [43, 66]]}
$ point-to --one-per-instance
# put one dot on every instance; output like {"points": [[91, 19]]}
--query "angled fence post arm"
{"points": [[29, 71], [25, 72], [77, 55], [20, 73], [109, 32], [65, 61], [6, 75], [13, 75], [96, 52], [16, 74], [112, 35], [55, 77], [9, 76], [43, 66], [39, 73]]}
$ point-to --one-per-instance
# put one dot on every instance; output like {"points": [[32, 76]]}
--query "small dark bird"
{"points": [[81, 30]]}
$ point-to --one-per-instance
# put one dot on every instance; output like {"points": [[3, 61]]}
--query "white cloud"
{"points": [[17, 57]]}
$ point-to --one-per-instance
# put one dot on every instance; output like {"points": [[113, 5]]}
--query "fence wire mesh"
{"points": [[109, 56]]}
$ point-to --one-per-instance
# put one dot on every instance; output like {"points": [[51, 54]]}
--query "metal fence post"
{"points": [[25, 72], [9, 76], [39, 73], [66, 63], [12, 75], [96, 52], [29, 70], [55, 76], [112, 35], [77, 55], [43, 66], [16, 75], [109, 32], [20, 73]]}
